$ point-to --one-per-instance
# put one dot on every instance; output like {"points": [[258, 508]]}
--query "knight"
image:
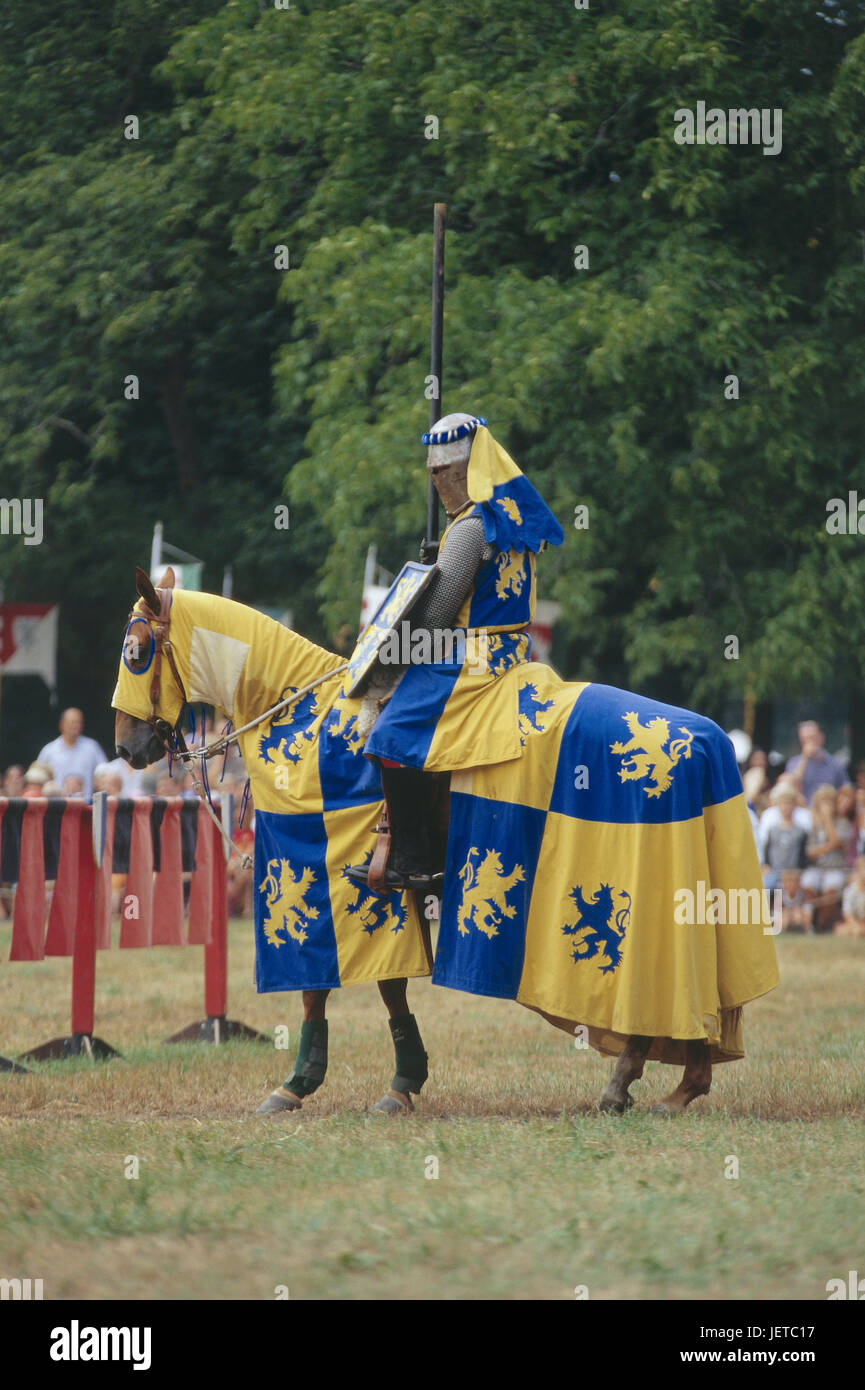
{"points": [[442, 715]]}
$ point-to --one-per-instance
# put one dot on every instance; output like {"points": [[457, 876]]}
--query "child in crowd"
{"points": [[782, 844], [797, 914], [824, 878]]}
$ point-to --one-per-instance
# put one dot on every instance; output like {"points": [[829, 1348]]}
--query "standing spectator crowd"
{"points": [[810, 833]]}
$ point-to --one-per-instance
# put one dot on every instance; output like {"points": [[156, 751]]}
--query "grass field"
{"points": [[536, 1192]]}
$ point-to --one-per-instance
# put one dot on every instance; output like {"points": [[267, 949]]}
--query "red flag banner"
{"points": [[28, 640]]}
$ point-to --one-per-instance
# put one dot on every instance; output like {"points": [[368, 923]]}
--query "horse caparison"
{"points": [[143, 741]]}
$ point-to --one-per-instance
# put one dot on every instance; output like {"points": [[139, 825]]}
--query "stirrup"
{"points": [[393, 879]]}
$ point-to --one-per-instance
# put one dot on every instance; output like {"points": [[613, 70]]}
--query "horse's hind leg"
{"points": [[629, 1067], [696, 1080], [411, 1060], [311, 1063]]}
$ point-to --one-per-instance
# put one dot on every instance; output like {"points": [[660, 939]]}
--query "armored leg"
{"points": [[409, 794], [415, 853]]}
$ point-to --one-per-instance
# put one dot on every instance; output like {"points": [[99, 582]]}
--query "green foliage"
{"points": [[306, 127]]}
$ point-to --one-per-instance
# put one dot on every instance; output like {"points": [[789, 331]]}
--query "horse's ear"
{"points": [[167, 581], [146, 590]]}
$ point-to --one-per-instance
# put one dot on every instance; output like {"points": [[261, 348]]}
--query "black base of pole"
{"points": [[77, 1045], [217, 1029], [6, 1065]]}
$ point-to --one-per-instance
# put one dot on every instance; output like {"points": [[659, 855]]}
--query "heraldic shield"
{"points": [[397, 603]]}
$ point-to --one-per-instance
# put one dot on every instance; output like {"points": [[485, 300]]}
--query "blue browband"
{"points": [[455, 432]]}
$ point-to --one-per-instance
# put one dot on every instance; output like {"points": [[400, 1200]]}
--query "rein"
{"points": [[160, 623]]}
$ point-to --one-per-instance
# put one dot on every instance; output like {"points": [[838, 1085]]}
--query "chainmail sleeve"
{"points": [[463, 552]]}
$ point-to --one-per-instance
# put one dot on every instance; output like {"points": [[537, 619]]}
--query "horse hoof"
{"points": [[616, 1107], [394, 1103], [277, 1101], [662, 1109]]}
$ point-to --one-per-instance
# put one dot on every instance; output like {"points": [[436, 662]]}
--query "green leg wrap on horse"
{"points": [[411, 1060], [311, 1063]]}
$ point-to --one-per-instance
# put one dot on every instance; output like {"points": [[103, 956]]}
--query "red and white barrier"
{"points": [[152, 907]]}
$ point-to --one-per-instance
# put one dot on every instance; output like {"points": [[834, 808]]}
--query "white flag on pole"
{"points": [[28, 640]]}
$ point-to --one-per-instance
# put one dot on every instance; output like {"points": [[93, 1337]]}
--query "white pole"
{"points": [[156, 550]]}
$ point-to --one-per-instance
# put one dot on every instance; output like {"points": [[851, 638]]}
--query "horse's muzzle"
{"points": [[137, 742]]}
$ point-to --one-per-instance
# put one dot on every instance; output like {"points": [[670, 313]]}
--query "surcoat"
{"points": [[463, 710]]}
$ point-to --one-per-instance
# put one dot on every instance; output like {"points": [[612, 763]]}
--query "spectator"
{"points": [[72, 752], [73, 785], [756, 781], [814, 767], [782, 846], [35, 779], [853, 903], [846, 807], [826, 875], [796, 912], [772, 814], [52, 789], [13, 781], [756, 799], [117, 778], [106, 779], [129, 776]]}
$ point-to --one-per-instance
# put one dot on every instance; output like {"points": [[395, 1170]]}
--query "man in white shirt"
{"points": [[72, 752]]}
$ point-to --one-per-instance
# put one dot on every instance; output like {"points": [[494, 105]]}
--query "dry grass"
{"points": [[535, 1194]]}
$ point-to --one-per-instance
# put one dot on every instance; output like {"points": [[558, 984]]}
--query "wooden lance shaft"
{"points": [[438, 304]]}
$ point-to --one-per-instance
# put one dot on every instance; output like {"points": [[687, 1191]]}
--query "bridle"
{"points": [[159, 625]]}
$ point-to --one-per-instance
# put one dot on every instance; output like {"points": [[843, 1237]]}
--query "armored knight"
{"points": [[438, 716]]}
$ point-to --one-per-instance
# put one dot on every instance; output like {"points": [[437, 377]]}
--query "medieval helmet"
{"points": [[450, 439]]}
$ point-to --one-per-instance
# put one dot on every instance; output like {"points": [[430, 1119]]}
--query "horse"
{"points": [[244, 664]]}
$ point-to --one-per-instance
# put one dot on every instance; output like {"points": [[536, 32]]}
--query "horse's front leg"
{"points": [[410, 1057], [311, 1062], [696, 1081], [629, 1067]]}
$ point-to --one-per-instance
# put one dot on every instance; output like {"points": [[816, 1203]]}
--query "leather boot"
{"points": [[408, 794], [411, 863]]}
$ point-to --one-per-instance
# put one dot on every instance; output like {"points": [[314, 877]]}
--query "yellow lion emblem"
{"points": [[511, 575], [485, 888], [344, 726], [649, 758], [287, 909], [510, 508]]}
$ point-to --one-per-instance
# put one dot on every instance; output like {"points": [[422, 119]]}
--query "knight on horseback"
{"points": [[438, 716]]}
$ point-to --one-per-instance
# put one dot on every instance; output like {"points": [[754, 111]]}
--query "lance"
{"points": [[435, 367]]}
